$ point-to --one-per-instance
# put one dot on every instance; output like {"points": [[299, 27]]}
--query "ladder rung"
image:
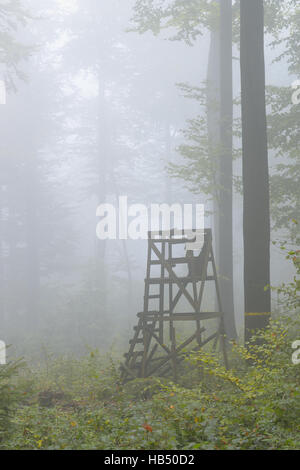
{"points": [[137, 341], [185, 280], [157, 262], [140, 314], [134, 354]]}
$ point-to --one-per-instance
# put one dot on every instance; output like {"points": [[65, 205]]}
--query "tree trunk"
{"points": [[255, 169], [225, 204], [168, 158], [103, 152], [33, 261], [220, 116], [213, 124]]}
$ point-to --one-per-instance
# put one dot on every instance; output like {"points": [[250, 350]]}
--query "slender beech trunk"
{"points": [[225, 203], [33, 258], [168, 158], [220, 116], [103, 151], [213, 120], [125, 251], [255, 168]]}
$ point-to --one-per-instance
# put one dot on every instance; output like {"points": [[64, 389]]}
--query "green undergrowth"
{"points": [[72, 403]]}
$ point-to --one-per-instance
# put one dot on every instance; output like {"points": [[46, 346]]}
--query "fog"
{"points": [[94, 111]]}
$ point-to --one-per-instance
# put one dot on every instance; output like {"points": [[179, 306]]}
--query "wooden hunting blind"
{"points": [[155, 347]]}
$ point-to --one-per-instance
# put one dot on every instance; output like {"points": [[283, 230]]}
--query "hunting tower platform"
{"points": [[155, 347]]}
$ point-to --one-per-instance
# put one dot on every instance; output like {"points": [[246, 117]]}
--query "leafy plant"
{"points": [[9, 396]]}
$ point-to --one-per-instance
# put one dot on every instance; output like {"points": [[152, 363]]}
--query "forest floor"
{"points": [[80, 404]]}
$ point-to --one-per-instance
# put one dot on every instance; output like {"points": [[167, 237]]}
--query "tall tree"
{"points": [[12, 17], [190, 19], [226, 167], [255, 168]]}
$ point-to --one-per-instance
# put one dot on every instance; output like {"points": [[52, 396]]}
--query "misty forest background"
{"points": [[108, 98], [95, 112]]}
